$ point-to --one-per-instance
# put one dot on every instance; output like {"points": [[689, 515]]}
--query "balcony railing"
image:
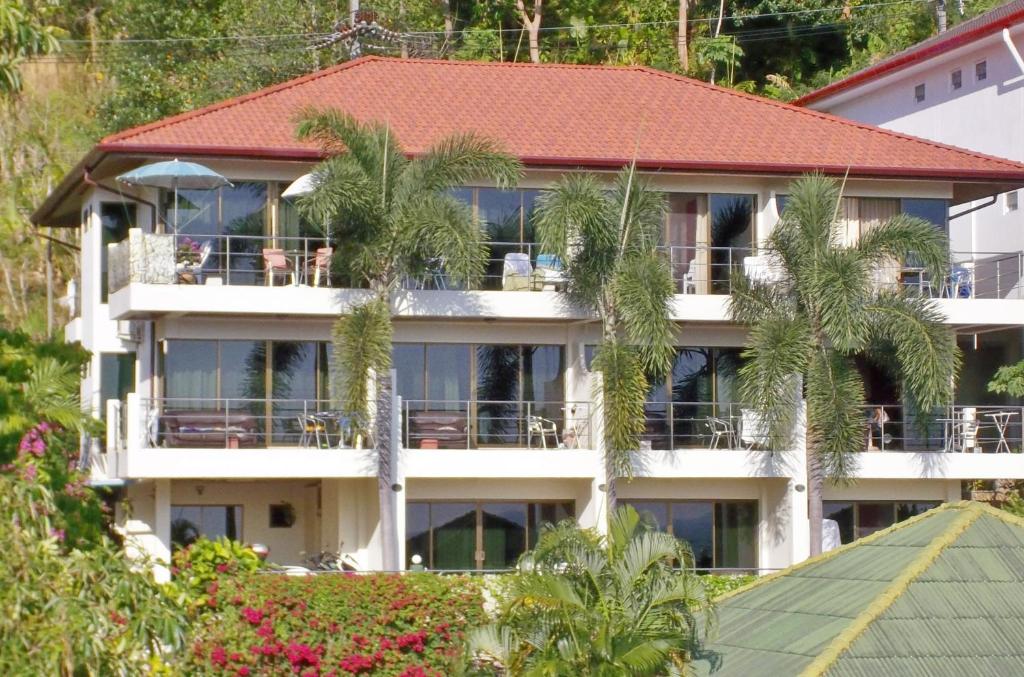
{"points": [[233, 423], [473, 424], [972, 275], [961, 428], [702, 269], [702, 425]]}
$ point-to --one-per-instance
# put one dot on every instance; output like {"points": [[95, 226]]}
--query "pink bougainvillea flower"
{"points": [[219, 657]]}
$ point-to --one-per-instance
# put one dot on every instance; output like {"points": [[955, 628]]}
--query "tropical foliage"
{"points": [[585, 604], [1008, 380], [198, 568], [69, 611], [23, 35], [609, 240], [392, 217], [410, 625], [829, 307]]}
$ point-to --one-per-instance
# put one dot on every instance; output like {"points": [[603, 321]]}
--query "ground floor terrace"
{"points": [[732, 525]]}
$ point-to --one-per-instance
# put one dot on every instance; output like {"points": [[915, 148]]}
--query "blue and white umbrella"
{"points": [[174, 174]]}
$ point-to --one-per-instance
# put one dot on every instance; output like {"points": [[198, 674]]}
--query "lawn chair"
{"points": [[721, 429], [753, 429], [276, 263], [550, 273], [319, 267], [536, 425], [516, 272]]}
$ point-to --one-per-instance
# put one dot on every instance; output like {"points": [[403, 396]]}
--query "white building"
{"points": [[213, 382]]}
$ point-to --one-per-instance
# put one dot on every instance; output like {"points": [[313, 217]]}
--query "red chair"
{"points": [[319, 267], [276, 263]]}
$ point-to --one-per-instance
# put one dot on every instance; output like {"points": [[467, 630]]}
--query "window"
{"points": [[919, 93], [732, 235], [1011, 201], [282, 515], [980, 71], [189, 522], [115, 219], [117, 378], [477, 535], [507, 219], [722, 534], [932, 210], [857, 519], [956, 80]]}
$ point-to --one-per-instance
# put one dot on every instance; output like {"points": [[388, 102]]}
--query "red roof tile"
{"points": [[962, 34], [565, 116]]}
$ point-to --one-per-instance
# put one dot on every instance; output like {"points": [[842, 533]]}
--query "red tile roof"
{"points": [[962, 34], [562, 115]]}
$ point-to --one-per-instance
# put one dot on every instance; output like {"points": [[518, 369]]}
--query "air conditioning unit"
{"points": [[129, 330]]}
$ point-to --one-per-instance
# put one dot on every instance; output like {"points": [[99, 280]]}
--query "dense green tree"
{"points": [[24, 34], [391, 216], [828, 308], [609, 241], [590, 605]]}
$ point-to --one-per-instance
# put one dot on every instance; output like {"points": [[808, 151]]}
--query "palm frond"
{"points": [[926, 350], [640, 230], [344, 196], [777, 355], [835, 413], [840, 285], [459, 160], [905, 235], [809, 225], [362, 346], [644, 291], [442, 228], [623, 393], [752, 302]]}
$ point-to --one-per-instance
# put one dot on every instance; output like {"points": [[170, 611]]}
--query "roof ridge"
{"points": [[888, 596], [828, 116], [825, 556], [234, 101]]}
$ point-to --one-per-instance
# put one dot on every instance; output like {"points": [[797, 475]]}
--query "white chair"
{"points": [[753, 429], [969, 429], [762, 268], [721, 428], [536, 425], [516, 272]]}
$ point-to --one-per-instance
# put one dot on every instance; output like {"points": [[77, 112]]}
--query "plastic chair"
{"points": [[535, 425], [276, 263], [753, 430], [320, 266], [516, 272], [721, 428], [961, 280], [550, 271]]}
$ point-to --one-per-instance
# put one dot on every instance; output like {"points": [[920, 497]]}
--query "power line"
{"points": [[547, 29]]}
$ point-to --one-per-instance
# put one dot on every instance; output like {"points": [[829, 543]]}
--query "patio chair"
{"points": [[195, 269], [276, 263], [516, 272], [961, 282], [753, 429], [689, 278], [550, 273], [319, 267], [536, 425], [312, 428], [721, 428], [762, 268]]}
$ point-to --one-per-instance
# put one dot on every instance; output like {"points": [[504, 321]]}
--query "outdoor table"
{"points": [[1001, 419]]}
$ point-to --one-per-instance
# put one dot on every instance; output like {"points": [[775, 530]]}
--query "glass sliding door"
{"points": [[504, 534], [243, 382], [683, 236], [294, 380], [499, 419], [694, 522], [544, 381], [857, 519], [721, 534], [692, 394], [190, 374], [477, 535], [453, 527], [731, 237], [736, 534]]}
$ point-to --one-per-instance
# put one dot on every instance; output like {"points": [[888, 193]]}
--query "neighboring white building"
{"points": [[214, 383]]}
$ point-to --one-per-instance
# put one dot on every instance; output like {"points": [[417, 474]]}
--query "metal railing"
{"points": [[960, 428], [702, 425], [702, 269], [972, 275], [472, 424], [239, 260], [233, 423]]}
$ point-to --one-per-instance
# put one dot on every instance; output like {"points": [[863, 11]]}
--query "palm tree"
{"points": [[585, 604], [609, 240], [827, 309], [393, 216]]}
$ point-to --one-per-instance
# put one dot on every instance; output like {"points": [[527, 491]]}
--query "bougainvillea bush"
{"points": [[410, 625]]}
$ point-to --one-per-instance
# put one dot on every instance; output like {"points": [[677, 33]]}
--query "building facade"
{"points": [[213, 375]]}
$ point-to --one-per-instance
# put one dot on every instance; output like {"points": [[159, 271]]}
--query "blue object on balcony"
{"points": [[549, 262], [174, 174]]}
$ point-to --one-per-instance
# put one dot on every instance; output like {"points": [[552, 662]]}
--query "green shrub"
{"points": [[341, 624], [198, 567], [71, 611], [717, 585]]}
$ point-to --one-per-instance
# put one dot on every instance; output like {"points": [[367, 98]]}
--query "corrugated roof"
{"points": [[939, 594], [962, 34]]}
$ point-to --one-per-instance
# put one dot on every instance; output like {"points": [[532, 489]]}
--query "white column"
{"points": [[161, 545]]}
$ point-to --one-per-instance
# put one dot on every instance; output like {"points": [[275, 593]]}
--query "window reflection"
{"points": [[857, 519], [190, 522], [721, 534]]}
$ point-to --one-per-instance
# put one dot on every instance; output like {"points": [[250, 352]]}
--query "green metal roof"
{"points": [[939, 594]]}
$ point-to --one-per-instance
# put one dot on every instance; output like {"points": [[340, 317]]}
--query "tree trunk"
{"points": [[940, 14], [449, 23], [385, 473], [532, 26], [681, 41], [814, 507]]}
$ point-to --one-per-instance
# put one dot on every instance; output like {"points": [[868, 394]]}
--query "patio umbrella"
{"points": [[174, 174], [304, 185]]}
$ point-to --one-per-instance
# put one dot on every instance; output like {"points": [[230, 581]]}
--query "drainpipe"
{"points": [[1013, 50]]}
